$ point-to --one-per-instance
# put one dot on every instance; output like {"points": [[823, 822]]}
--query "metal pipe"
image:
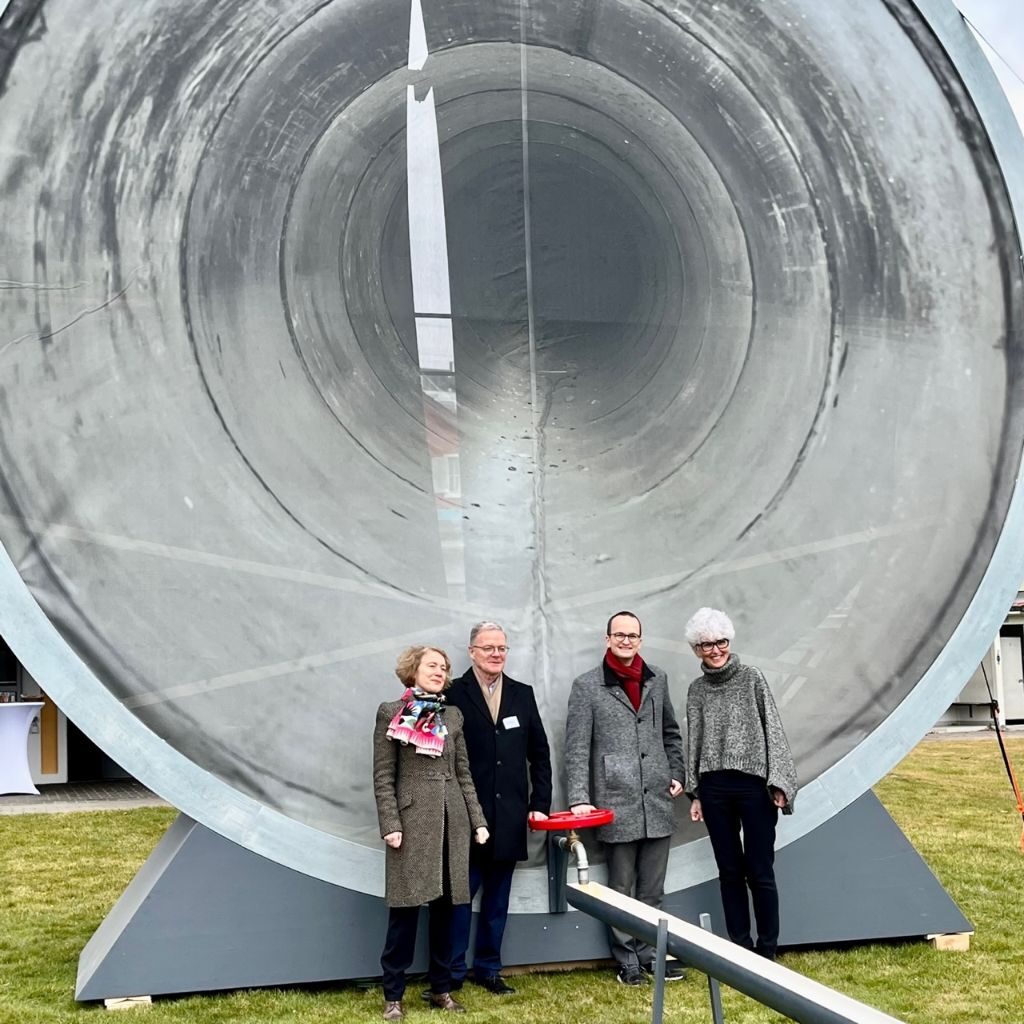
{"points": [[714, 992], [573, 845], [790, 993], [658, 1007]]}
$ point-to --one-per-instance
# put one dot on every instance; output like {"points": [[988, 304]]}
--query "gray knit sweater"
{"points": [[732, 723]]}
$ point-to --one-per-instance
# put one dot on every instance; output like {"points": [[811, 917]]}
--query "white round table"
{"points": [[15, 721]]}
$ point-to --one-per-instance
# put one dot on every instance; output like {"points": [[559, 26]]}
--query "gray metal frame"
{"points": [[300, 930]]}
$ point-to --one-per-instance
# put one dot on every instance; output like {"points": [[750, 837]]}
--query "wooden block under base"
{"points": [[561, 965], [958, 942], [128, 1002]]}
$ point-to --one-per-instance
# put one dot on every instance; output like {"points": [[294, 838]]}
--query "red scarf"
{"points": [[629, 675]]}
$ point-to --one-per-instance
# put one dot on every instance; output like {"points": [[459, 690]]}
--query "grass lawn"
{"points": [[62, 873]]}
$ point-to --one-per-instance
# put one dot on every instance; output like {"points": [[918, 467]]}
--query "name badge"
{"points": [[511, 722]]}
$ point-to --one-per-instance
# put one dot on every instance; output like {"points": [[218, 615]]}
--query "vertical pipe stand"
{"points": [[714, 992], [658, 1007]]}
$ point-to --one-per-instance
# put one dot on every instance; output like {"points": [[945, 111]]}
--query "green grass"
{"points": [[62, 873]]}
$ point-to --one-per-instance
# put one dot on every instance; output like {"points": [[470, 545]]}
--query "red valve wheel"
{"points": [[563, 821]]}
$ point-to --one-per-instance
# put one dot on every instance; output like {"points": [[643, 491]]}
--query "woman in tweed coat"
{"points": [[427, 808]]}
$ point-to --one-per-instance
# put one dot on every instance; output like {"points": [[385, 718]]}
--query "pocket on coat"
{"points": [[620, 772]]}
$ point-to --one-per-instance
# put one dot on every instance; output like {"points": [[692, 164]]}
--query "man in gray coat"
{"points": [[624, 750]]}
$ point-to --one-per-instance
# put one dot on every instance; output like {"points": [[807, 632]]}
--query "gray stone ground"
{"points": [[82, 796], [972, 732]]}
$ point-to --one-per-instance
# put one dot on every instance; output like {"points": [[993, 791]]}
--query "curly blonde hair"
{"points": [[409, 661]]}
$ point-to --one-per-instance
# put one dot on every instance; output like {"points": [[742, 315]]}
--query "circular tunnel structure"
{"points": [[332, 327]]}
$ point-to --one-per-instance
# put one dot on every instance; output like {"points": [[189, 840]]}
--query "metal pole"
{"points": [[791, 994], [714, 991], [997, 671], [659, 972]]}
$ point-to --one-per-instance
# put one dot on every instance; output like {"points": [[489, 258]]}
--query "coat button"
{"points": [[498, 763], [497, 796]]}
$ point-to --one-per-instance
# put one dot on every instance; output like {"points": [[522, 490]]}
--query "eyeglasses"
{"points": [[622, 638], [707, 646], [489, 649]]}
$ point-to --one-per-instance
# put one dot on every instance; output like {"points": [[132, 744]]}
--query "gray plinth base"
{"points": [[204, 914], [856, 878]]}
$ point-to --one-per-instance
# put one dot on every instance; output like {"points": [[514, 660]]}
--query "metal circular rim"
{"points": [[269, 833]]}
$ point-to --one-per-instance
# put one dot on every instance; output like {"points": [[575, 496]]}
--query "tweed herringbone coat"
{"points": [[415, 795]]}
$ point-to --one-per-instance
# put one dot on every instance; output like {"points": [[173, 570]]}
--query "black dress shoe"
{"points": [[630, 974], [673, 970], [496, 985]]}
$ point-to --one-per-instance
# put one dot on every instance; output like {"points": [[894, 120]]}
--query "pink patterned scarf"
{"points": [[419, 721]]}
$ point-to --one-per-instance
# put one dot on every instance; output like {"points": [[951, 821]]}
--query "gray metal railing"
{"points": [[790, 993]]}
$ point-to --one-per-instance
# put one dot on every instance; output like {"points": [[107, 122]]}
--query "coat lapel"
{"points": [[646, 686], [476, 697], [620, 695], [507, 706]]}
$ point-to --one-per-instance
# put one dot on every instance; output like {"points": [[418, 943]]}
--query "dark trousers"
{"points": [[493, 878], [636, 869], [400, 946], [730, 801]]}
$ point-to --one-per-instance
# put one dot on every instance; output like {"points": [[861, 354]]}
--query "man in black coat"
{"points": [[511, 767]]}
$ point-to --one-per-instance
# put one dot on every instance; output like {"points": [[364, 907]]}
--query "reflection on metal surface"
{"points": [[330, 328], [432, 305]]}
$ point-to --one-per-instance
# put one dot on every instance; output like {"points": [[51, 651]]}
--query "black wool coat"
{"points": [[510, 763]]}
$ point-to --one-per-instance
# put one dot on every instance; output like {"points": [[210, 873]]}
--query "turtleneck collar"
{"points": [[723, 674]]}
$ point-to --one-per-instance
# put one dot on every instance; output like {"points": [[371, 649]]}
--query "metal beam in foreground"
{"points": [[799, 998]]}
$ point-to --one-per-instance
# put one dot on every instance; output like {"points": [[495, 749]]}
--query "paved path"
{"points": [[973, 732], [82, 796]]}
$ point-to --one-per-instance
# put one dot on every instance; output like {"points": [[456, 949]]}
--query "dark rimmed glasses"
{"points": [[707, 646], [625, 638]]}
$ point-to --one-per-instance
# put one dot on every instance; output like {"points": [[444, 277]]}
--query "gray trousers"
{"points": [[636, 869]]}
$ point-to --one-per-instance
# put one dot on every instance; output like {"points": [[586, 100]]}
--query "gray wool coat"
{"points": [[624, 759], [414, 792]]}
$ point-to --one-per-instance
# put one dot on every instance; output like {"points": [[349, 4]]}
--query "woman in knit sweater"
{"points": [[739, 774]]}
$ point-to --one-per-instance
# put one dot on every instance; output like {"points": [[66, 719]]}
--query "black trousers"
{"points": [[730, 801], [400, 941], [400, 947]]}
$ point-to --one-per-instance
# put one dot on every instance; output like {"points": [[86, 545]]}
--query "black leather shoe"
{"points": [[673, 971], [496, 985], [628, 974]]}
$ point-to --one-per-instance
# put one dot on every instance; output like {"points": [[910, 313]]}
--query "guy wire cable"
{"points": [[994, 708]]}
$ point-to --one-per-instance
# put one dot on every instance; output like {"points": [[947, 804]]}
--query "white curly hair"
{"points": [[709, 624]]}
